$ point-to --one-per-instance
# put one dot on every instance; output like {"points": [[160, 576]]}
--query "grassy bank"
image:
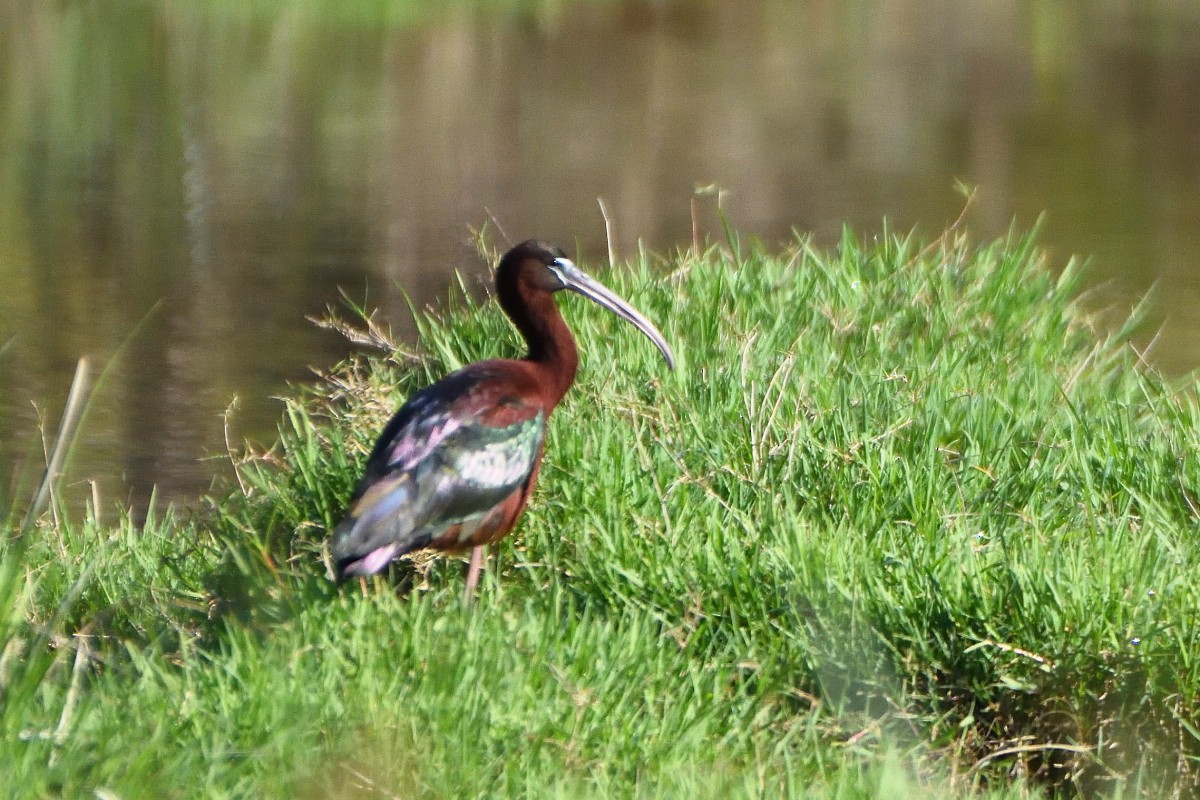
{"points": [[897, 527]]}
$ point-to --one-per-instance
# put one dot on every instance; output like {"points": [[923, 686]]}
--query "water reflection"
{"points": [[179, 188]]}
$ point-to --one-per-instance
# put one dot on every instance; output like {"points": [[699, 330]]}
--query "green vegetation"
{"points": [[897, 527]]}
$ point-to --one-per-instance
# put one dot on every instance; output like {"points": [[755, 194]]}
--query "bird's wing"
{"points": [[449, 456]]}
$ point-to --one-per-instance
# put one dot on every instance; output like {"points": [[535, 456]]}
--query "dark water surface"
{"points": [[179, 188]]}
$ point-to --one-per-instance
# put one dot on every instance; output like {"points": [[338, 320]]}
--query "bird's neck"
{"points": [[551, 347]]}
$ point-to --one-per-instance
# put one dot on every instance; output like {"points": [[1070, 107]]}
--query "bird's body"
{"points": [[454, 467]]}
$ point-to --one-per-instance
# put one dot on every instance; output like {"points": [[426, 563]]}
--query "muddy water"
{"points": [[179, 189]]}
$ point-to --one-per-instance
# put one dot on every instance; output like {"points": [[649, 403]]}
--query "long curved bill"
{"points": [[580, 282]]}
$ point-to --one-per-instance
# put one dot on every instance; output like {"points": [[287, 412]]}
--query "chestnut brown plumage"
{"points": [[454, 467]]}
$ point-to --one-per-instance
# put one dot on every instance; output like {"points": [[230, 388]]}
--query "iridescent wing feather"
{"points": [[444, 466]]}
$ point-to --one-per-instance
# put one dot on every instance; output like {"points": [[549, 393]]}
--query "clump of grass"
{"points": [[38, 702], [901, 524]]}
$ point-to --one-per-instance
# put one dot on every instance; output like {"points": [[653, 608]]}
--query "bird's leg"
{"points": [[473, 571]]}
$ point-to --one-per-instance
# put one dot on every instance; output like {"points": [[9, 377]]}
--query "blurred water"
{"points": [[180, 188]]}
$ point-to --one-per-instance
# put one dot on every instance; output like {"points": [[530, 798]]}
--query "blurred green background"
{"points": [[182, 183]]}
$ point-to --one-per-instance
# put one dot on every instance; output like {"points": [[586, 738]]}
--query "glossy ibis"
{"points": [[454, 467]]}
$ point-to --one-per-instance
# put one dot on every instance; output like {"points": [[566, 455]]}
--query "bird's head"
{"points": [[534, 267]]}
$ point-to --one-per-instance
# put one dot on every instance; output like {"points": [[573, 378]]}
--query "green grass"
{"points": [[899, 526]]}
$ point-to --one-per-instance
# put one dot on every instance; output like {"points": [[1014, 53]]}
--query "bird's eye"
{"points": [[557, 269]]}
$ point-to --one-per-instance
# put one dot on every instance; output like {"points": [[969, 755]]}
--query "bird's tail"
{"points": [[376, 530]]}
